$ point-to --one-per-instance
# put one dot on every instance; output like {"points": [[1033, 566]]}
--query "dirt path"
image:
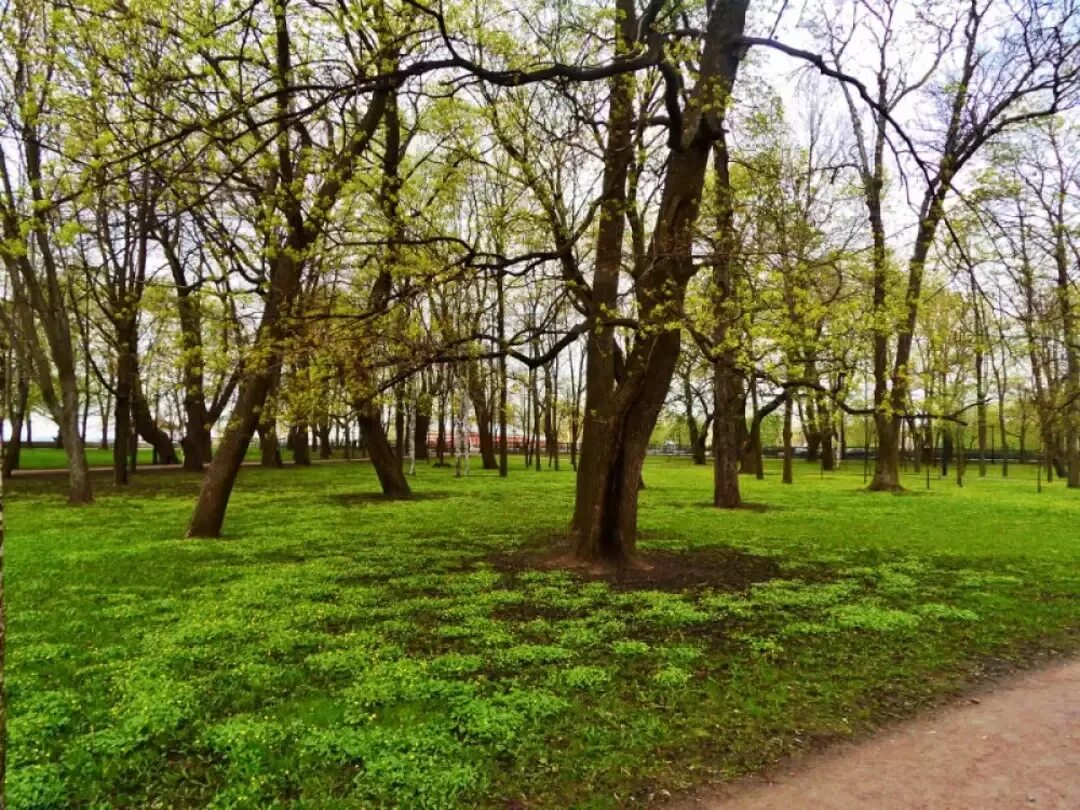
{"points": [[1016, 746]]}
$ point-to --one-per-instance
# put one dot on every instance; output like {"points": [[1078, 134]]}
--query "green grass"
{"points": [[49, 458], [338, 651]]}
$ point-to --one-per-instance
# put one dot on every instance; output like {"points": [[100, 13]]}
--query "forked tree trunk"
{"points": [[613, 454]]}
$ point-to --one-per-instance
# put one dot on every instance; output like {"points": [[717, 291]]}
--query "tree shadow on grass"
{"points": [[651, 569]]}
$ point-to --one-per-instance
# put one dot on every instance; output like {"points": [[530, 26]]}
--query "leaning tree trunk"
{"points": [[164, 450], [386, 462], [209, 514]]}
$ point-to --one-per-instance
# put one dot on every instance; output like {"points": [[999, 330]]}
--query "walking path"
{"points": [[1017, 746]]}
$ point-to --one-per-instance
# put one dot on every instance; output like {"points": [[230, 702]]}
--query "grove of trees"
{"points": [[357, 224]]}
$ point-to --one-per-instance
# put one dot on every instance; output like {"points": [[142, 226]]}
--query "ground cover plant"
{"points": [[339, 650]]}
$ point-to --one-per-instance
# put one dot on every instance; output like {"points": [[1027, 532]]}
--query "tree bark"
{"points": [[728, 411], [789, 451], [618, 426], [13, 448], [383, 458], [145, 426]]}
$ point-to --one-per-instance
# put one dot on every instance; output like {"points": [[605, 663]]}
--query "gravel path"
{"points": [[1016, 746]]}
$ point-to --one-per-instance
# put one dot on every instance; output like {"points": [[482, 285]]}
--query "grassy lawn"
{"points": [[340, 651], [49, 458]]}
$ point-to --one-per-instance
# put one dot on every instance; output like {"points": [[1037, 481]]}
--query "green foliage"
{"points": [[327, 654]]}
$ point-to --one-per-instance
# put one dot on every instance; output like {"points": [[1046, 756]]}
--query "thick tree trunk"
{"points": [[269, 451], [325, 450], [386, 462], [487, 439], [423, 426], [158, 439], [221, 475], [209, 514], [728, 412], [301, 445], [887, 465], [79, 490]]}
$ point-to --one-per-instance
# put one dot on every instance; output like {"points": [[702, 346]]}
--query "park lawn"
{"points": [[51, 458], [337, 650]]}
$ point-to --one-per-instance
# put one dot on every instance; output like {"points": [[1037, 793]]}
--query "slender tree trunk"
{"points": [[125, 380], [504, 381], [728, 410], [13, 448], [789, 451]]}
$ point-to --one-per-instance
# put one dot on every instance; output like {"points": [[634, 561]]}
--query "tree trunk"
{"points": [[728, 412], [79, 491], [423, 425], [158, 439], [887, 465], [386, 462], [269, 451], [789, 451], [325, 451], [487, 439], [13, 448], [301, 445], [125, 381]]}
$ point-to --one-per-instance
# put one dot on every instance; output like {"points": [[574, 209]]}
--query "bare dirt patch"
{"points": [[653, 569]]}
